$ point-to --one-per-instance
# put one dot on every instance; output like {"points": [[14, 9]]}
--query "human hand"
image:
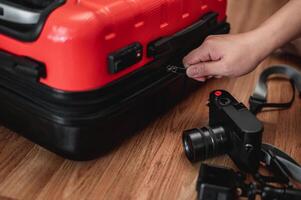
{"points": [[224, 55]]}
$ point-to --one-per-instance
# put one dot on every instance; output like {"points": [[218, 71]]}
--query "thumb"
{"points": [[200, 54], [203, 69]]}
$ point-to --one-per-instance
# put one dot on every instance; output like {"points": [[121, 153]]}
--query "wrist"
{"points": [[262, 43], [254, 42]]}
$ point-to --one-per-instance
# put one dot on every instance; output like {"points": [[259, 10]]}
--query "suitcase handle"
{"points": [[187, 39], [25, 21], [21, 67], [18, 15]]}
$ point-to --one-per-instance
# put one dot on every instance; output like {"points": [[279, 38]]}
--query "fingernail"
{"points": [[200, 79], [186, 65], [191, 72]]}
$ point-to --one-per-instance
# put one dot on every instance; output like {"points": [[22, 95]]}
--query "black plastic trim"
{"points": [[22, 67], [28, 33], [185, 39], [125, 57], [84, 125]]}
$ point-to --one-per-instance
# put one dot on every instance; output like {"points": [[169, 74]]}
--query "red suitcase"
{"points": [[79, 76]]}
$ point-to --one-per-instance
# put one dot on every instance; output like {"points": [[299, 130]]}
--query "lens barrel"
{"points": [[204, 143]]}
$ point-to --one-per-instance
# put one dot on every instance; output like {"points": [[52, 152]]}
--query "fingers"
{"points": [[200, 54], [204, 69], [201, 79]]}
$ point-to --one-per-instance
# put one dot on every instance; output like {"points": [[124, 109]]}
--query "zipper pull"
{"points": [[175, 69]]}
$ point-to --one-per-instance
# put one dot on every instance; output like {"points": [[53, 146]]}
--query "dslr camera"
{"points": [[232, 130]]}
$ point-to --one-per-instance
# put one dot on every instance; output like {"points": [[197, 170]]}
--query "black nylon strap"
{"points": [[280, 163], [258, 100]]}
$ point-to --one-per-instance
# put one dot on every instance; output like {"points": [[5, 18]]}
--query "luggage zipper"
{"points": [[175, 69]]}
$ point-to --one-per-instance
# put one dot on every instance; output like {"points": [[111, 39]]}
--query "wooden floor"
{"points": [[151, 165]]}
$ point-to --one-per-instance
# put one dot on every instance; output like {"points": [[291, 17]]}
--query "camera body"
{"points": [[232, 129]]}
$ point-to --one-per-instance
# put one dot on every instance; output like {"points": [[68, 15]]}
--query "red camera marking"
{"points": [[217, 93]]}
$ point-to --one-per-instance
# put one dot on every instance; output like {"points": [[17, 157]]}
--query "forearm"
{"points": [[282, 27], [238, 54]]}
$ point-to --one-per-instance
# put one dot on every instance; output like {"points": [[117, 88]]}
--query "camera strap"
{"points": [[283, 167], [225, 183], [281, 164], [258, 100]]}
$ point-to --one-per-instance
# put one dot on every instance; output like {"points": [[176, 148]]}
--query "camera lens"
{"points": [[201, 144]]}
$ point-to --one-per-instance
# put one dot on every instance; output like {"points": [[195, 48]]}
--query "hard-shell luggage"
{"points": [[76, 77]]}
